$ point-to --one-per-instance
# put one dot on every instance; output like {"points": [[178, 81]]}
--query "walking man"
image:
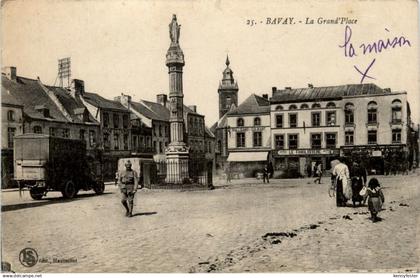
{"points": [[128, 183], [318, 172]]}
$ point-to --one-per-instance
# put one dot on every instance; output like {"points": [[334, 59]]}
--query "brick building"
{"points": [[32, 107]]}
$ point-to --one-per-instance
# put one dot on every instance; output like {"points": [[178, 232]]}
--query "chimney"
{"points": [[193, 108], [77, 88], [287, 88], [265, 96], [10, 73], [162, 99], [125, 100], [273, 90], [310, 85]]}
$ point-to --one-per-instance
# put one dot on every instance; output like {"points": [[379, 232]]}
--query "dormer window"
{"points": [[82, 114], [43, 110]]}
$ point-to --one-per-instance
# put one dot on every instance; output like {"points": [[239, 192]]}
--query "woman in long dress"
{"points": [[343, 189]]}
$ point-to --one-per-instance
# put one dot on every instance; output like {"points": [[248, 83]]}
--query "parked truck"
{"points": [[45, 163]]}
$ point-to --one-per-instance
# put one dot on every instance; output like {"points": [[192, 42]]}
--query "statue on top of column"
{"points": [[174, 30]]}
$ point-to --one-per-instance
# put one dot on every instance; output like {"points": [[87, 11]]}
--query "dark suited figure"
{"points": [[266, 174], [128, 183]]}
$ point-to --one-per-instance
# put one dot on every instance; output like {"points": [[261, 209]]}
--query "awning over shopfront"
{"points": [[247, 156]]}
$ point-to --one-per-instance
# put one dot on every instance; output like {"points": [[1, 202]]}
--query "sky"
{"points": [[119, 46]]}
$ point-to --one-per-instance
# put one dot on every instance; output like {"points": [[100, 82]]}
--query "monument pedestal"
{"points": [[177, 156]]}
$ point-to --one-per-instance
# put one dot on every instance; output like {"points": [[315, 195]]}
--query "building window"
{"points": [[240, 122], [37, 129], [279, 141], [293, 141], [257, 139], [331, 140], [125, 141], [396, 136], [279, 120], [292, 107], [11, 131], [155, 147], [330, 105], [106, 119], [219, 145], [240, 140], [279, 107], [116, 119], [125, 121], [372, 139], [396, 111], [349, 114], [331, 118], [349, 137], [166, 131], [316, 105], [316, 119], [160, 147], [372, 112], [304, 106], [135, 141], [66, 133], [52, 131], [11, 116], [257, 121], [228, 102], [82, 134], [116, 141], [92, 138], [292, 120], [316, 140], [107, 143]]}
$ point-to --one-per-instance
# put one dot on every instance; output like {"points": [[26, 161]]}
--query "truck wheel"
{"points": [[36, 193], [99, 188], [69, 190]]}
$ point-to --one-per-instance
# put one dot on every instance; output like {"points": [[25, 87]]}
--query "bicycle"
{"points": [[332, 188]]}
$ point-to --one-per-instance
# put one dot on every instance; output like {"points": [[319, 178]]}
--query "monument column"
{"points": [[177, 151]]}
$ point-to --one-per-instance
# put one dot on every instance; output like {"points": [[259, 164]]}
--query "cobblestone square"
{"points": [[285, 226]]}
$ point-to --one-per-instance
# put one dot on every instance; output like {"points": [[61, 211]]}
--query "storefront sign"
{"points": [[309, 152], [377, 153]]}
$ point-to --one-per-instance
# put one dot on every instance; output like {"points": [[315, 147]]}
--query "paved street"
{"points": [[224, 230]]}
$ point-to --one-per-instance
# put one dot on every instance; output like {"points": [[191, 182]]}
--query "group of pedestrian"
{"points": [[351, 185]]}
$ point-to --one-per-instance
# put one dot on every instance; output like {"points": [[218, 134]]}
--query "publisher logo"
{"points": [[28, 257]]}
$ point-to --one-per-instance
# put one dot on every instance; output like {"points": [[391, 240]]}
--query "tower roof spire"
{"points": [[227, 60]]}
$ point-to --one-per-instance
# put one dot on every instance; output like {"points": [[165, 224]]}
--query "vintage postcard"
{"points": [[210, 136]]}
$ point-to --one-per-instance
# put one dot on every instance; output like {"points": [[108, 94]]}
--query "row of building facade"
{"points": [[295, 128], [112, 129]]}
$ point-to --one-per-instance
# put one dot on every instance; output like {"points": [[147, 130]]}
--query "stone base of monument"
{"points": [[177, 158]]}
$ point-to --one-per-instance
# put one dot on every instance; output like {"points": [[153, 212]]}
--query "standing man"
{"points": [[128, 183], [266, 175]]}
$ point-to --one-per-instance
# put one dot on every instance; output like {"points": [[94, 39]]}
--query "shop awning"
{"points": [[247, 156]]}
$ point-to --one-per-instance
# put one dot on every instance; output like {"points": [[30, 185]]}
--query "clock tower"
{"points": [[228, 90]]}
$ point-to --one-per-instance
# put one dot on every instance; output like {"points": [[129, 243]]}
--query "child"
{"points": [[375, 199]]}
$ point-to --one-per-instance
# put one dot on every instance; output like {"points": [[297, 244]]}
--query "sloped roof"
{"points": [[72, 105], [325, 93], [158, 111], [30, 94], [8, 98], [254, 104], [101, 102], [208, 132]]}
